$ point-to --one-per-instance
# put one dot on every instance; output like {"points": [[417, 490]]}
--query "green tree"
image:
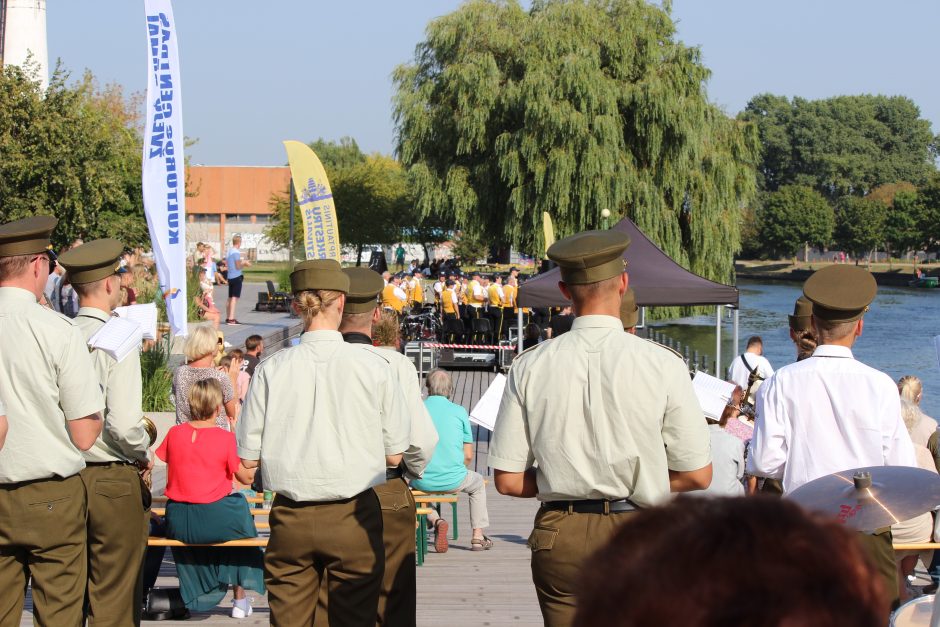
{"points": [[793, 217], [902, 232], [860, 226], [572, 107], [469, 248], [73, 152], [374, 201], [842, 145], [928, 214]]}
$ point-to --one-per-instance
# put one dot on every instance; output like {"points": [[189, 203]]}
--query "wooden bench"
{"points": [[157, 541], [435, 499], [161, 511], [421, 535]]}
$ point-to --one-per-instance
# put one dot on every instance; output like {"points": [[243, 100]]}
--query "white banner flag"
{"points": [[164, 179]]}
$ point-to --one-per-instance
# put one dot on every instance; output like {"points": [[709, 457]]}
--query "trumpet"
{"points": [[150, 428]]}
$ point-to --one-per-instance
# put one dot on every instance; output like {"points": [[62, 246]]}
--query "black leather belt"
{"points": [[597, 506], [393, 473]]}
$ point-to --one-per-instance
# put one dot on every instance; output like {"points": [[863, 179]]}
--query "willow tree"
{"points": [[573, 107]]}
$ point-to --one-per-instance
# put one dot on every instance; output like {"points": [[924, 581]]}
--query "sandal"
{"points": [[440, 535], [481, 544]]}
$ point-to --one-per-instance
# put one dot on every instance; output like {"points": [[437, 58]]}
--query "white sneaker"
{"points": [[238, 612]]}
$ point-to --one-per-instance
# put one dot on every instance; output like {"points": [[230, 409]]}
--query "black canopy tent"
{"points": [[655, 278]]}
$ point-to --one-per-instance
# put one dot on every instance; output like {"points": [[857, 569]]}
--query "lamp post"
{"points": [[605, 219]]}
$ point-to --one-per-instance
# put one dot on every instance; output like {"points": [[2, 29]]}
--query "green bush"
{"points": [[157, 379]]}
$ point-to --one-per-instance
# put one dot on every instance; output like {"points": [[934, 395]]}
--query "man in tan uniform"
{"points": [[398, 598], [325, 419], [52, 400], [117, 519], [595, 423]]}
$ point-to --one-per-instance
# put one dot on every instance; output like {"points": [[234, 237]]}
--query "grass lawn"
{"points": [[265, 271]]}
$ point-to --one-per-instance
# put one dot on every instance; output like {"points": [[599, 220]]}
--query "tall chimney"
{"points": [[23, 35]]}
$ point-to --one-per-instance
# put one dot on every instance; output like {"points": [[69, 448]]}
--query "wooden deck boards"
{"points": [[460, 588]]}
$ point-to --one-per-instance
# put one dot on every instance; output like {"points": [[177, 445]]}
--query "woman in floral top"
{"points": [[200, 349]]}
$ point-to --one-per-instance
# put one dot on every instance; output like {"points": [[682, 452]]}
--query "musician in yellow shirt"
{"points": [[476, 295], [416, 292], [449, 302], [509, 303], [495, 310], [394, 297]]}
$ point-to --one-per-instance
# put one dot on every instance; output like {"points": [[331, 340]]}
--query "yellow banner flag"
{"points": [[315, 199], [548, 230]]}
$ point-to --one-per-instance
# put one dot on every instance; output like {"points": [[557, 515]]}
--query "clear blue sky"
{"points": [[256, 73]]}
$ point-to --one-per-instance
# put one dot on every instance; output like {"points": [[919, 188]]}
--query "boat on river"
{"points": [[925, 282]]}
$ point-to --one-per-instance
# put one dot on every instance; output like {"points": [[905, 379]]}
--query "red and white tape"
{"points": [[488, 347]]}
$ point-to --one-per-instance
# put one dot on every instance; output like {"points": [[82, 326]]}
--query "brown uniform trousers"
{"points": [[333, 543], [42, 534], [398, 605], [880, 551], [561, 542], [117, 539]]}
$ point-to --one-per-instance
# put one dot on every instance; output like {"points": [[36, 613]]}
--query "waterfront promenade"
{"points": [[460, 588]]}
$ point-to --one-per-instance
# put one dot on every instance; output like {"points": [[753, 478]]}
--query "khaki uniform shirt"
{"points": [[423, 438], [321, 416], [602, 413], [123, 437], [46, 378]]}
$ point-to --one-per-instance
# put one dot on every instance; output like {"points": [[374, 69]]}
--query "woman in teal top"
{"points": [[447, 471]]}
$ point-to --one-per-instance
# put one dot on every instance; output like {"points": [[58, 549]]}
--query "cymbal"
{"points": [[870, 498]]}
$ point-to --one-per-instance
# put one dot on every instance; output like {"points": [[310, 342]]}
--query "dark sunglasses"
{"points": [[50, 257]]}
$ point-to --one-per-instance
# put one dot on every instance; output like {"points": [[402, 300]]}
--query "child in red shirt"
{"points": [[201, 462]]}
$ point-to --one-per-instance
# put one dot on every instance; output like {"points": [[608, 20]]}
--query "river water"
{"points": [[897, 338]]}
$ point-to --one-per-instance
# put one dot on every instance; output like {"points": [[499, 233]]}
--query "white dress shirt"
{"points": [[739, 372], [827, 414]]}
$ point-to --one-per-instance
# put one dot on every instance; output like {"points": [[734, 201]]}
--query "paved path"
{"points": [[460, 588]]}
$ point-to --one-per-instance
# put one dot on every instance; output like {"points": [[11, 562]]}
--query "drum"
{"points": [[914, 613]]}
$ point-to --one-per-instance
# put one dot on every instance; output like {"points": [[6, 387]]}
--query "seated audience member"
{"points": [[233, 362], [201, 347], [205, 302], [447, 471], [742, 562], [920, 528], [201, 462], [254, 347], [533, 335], [385, 332], [727, 455]]}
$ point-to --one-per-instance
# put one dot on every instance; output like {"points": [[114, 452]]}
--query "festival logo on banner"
{"points": [[163, 178], [315, 199]]}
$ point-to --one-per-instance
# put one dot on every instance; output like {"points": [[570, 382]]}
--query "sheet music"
{"points": [[145, 315], [484, 412], [713, 394], [118, 338]]}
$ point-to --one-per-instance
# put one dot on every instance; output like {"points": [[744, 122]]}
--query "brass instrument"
{"points": [[151, 430]]}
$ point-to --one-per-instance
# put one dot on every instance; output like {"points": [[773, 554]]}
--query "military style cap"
{"points": [[93, 261], [802, 311], [590, 257], [629, 312], [364, 288], [319, 274], [27, 236], [840, 293]]}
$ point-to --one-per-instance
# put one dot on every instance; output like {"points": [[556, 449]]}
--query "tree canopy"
{"points": [[843, 145], [791, 217], [860, 225], [72, 152], [572, 107]]}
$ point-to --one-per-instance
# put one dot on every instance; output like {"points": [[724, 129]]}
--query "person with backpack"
{"points": [[750, 368]]}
